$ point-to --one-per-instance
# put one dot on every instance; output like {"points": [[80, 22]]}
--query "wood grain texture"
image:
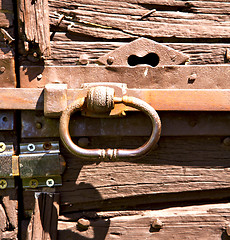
{"points": [[205, 222], [180, 19], [43, 223], [6, 13], [8, 214], [34, 25], [177, 166], [67, 52]]}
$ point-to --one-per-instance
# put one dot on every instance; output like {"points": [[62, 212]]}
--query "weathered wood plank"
{"points": [[184, 6], [6, 51], [115, 28], [6, 19], [193, 222], [67, 52], [8, 214], [177, 166], [43, 223], [137, 12], [6, 13], [34, 26], [195, 19]]}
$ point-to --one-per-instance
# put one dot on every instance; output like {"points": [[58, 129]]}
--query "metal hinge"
{"points": [[38, 165]]}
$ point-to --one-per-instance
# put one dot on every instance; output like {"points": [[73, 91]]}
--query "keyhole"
{"points": [[151, 59]]}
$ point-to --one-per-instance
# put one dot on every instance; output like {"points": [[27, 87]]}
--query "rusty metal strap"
{"points": [[143, 76], [159, 99]]}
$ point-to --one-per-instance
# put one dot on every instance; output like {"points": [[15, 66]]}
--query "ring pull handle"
{"points": [[101, 99]]}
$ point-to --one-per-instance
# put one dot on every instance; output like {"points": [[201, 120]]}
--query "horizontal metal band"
{"points": [[143, 76], [159, 99]]}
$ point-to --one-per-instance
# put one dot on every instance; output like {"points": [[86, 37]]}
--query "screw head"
{"points": [[2, 147], [110, 60], [84, 59], [31, 147], [192, 78], [2, 69], [83, 224], [3, 183], [50, 182], [33, 183]]}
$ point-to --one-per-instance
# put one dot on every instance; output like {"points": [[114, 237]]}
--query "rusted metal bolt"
{"points": [[157, 224], [83, 142], [3, 183], [192, 78], [83, 224], [38, 125], [2, 147], [84, 59], [226, 141], [47, 145], [2, 69], [39, 76], [110, 60]]}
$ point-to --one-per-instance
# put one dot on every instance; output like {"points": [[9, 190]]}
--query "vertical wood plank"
{"points": [[43, 223], [34, 25]]}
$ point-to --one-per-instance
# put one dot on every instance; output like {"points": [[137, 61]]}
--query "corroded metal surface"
{"points": [[110, 154], [55, 99], [159, 99], [166, 77], [6, 120], [141, 47], [7, 73], [133, 124], [6, 165], [100, 99], [40, 164]]}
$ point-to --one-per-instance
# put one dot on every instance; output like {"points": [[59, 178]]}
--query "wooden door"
{"points": [[179, 190]]}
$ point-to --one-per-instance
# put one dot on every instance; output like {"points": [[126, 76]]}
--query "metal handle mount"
{"points": [[101, 99]]}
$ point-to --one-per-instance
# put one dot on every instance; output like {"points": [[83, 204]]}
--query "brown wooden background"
{"points": [[185, 181]]}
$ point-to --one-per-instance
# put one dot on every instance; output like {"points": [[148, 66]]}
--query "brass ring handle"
{"points": [[110, 154]]}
